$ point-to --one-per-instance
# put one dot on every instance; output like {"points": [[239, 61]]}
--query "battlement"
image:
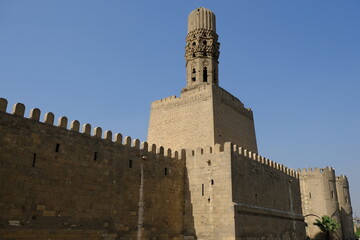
{"points": [[234, 149], [167, 99], [198, 89], [231, 97], [316, 170], [18, 110], [341, 178]]}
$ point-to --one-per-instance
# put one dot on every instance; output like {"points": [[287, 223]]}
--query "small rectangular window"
{"points": [[193, 79], [130, 163], [165, 171], [57, 147], [95, 156]]}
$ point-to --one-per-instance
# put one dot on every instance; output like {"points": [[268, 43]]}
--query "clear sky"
{"points": [[295, 63]]}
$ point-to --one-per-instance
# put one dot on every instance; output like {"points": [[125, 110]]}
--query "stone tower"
{"points": [[202, 49], [347, 225], [319, 197], [204, 114]]}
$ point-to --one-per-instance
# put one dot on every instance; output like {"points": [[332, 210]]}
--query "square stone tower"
{"points": [[204, 114]]}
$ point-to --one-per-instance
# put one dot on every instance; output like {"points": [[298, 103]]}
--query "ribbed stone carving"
{"points": [[202, 49], [201, 18]]}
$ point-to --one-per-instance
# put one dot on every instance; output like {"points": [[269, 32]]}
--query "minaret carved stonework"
{"points": [[204, 114], [202, 49]]}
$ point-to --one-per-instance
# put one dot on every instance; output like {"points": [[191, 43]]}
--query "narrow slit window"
{"points": [[165, 171], [57, 147], [202, 189], [332, 194], [34, 160], [130, 164], [310, 195], [95, 156], [212, 181], [256, 198], [205, 74]]}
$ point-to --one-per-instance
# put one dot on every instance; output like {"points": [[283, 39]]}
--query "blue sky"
{"points": [[295, 63]]}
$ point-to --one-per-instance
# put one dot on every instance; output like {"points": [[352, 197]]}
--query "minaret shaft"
{"points": [[202, 49]]}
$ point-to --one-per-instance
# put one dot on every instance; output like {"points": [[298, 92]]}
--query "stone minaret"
{"points": [[204, 114], [202, 49]]}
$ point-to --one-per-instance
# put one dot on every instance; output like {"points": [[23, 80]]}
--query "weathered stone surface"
{"points": [[50, 180], [325, 194], [58, 183]]}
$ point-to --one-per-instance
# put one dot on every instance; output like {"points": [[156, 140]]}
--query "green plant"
{"points": [[327, 225], [357, 233]]}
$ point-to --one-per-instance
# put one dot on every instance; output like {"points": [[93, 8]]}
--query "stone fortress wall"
{"points": [[323, 193], [267, 198], [59, 183], [238, 194]]}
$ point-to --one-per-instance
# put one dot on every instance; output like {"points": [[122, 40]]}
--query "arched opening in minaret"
{"points": [[205, 74], [193, 70]]}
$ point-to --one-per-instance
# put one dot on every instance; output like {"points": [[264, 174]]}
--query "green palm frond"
{"points": [[327, 224]]}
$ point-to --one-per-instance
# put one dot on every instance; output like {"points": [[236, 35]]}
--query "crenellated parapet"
{"points": [[73, 174], [233, 102], [325, 170], [342, 178], [251, 156], [165, 100], [86, 130], [202, 92]]}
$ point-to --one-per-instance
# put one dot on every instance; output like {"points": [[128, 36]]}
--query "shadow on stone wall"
{"points": [[322, 236], [189, 228]]}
